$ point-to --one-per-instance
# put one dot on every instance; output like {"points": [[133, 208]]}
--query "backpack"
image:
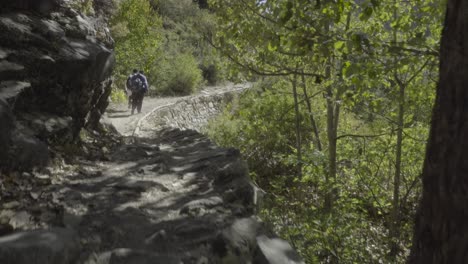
{"points": [[136, 83]]}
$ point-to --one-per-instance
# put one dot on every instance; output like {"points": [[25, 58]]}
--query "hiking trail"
{"points": [[158, 196]]}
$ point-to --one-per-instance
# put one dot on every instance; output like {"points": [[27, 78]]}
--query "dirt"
{"points": [[164, 199]]}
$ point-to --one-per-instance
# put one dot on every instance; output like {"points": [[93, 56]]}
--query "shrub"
{"points": [[118, 95], [179, 76]]}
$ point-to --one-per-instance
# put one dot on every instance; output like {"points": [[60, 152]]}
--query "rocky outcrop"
{"points": [[55, 67]]}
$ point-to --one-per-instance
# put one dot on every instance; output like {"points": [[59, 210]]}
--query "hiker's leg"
{"points": [[134, 103], [140, 103], [130, 100]]}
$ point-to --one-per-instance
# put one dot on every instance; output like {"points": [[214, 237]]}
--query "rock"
{"points": [[43, 6], [42, 177], [10, 70], [71, 220], [54, 246], [5, 216], [34, 195], [133, 256], [54, 51], [28, 152], [238, 242], [105, 150], [277, 251], [230, 172], [7, 125], [5, 229], [11, 205], [45, 125], [157, 236], [26, 175], [10, 89], [20, 220], [193, 207]]}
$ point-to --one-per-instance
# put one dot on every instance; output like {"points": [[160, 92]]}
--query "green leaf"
{"points": [[339, 45], [272, 47], [366, 14]]}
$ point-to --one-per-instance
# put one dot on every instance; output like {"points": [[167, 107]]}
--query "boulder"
{"points": [[237, 243], [55, 68], [28, 152], [54, 246], [276, 251]]}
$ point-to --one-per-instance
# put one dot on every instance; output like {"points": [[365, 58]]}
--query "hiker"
{"points": [[128, 90], [139, 86]]}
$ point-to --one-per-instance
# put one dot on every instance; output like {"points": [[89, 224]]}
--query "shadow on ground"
{"points": [[167, 198]]}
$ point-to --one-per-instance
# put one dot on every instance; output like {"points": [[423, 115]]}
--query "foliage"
{"points": [[118, 95], [166, 39], [84, 6], [186, 27], [259, 126], [178, 75], [368, 69], [136, 30]]}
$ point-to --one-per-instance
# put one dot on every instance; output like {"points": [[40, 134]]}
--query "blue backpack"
{"points": [[136, 83]]}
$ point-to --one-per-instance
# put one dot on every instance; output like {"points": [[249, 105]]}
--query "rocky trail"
{"points": [[85, 182], [160, 195]]}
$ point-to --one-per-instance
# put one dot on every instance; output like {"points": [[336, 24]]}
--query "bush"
{"points": [[179, 76], [118, 95], [213, 70]]}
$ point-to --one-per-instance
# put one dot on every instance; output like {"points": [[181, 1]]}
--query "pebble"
{"points": [[20, 219], [11, 205], [26, 175], [34, 195], [5, 216]]}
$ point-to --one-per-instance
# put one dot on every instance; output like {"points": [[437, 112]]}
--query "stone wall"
{"points": [[191, 113]]}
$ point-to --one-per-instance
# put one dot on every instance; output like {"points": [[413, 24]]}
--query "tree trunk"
{"points": [[441, 230], [317, 142], [395, 215], [333, 111], [298, 127]]}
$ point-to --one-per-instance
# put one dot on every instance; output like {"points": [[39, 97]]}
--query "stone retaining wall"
{"points": [[192, 113]]}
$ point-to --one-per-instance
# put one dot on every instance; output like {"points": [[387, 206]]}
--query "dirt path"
{"points": [[156, 200], [120, 116], [172, 198]]}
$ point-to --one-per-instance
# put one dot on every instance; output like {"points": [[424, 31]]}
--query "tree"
{"points": [[440, 233], [371, 63], [135, 28]]}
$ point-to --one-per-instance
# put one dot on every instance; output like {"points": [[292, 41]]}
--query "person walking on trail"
{"points": [[128, 87], [139, 87]]}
